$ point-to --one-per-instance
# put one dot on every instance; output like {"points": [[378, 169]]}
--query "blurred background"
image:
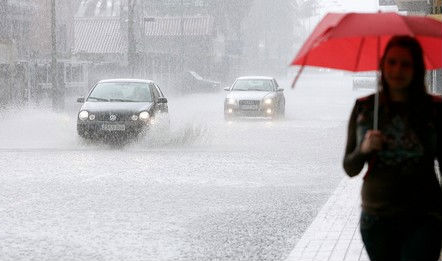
{"points": [[52, 50]]}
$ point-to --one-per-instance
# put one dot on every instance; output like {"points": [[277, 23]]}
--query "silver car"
{"points": [[254, 96]]}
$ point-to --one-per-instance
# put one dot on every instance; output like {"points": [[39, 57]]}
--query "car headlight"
{"points": [[231, 101], [92, 117], [144, 115], [268, 101], [83, 115], [134, 117]]}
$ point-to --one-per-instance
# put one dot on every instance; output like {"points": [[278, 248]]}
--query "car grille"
{"points": [[118, 116], [249, 102]]}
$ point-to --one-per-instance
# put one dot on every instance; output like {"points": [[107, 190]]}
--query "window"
{"points": [[276, 84], [77, 74], [253, 85], [74, 73], [156, 94], [68, 73], [43, 74], [159, 90], [121, 92]]}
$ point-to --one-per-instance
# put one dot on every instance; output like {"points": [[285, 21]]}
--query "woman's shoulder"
{"points": [[369, 99], [364, 104]]}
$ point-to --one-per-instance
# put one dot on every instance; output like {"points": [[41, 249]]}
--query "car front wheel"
{"points": [[228, 117], [281, 111]]}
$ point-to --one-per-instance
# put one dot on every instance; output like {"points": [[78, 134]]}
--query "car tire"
{"points": [[163, 121], [228, 117], [81, 132], [281, 111]]}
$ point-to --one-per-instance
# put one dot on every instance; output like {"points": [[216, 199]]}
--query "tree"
{"points": [[57, 93], [131, 43]]}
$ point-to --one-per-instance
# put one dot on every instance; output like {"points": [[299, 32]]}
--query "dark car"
{"points": [[254, 96], [121, 108], [193, 82]]}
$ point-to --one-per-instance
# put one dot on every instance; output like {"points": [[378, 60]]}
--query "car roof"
{"points": [[126, 80], [255, 78]]}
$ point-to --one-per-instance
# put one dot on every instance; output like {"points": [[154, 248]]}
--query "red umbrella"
{"points": [[355, 41], [350, 41]]}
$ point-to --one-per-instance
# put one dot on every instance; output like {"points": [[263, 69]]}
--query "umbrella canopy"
{"points": [[354, 41]]}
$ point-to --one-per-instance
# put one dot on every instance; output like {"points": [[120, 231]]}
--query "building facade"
{"points": [[25, 50], [15, 33], [160, 40]]}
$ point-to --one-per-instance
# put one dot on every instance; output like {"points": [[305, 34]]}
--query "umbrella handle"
{"points": [[376, 95], [376, 109]]}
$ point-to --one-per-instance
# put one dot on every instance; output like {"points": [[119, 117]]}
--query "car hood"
{"points": [[116, 106], [249, 95]]}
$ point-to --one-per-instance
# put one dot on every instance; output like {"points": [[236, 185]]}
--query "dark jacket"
{"points": [[400, 178]]}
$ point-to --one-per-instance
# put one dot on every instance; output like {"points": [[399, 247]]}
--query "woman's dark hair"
{"points": [[417, 88], [418, 105]]}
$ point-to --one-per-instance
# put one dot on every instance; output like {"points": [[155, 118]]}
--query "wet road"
{"points": [[208, 190]]}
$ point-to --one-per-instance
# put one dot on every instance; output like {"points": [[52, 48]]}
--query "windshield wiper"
{"points": [[120, 100], [98, 99]]}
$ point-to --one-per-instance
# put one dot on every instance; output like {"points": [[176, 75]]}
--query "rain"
{"points": [[203, 186]]}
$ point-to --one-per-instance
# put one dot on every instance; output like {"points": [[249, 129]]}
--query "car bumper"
{"points": [[237, 111], [103, 129]]}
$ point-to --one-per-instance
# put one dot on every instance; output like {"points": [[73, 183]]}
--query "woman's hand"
{"points": [[373, 141]]}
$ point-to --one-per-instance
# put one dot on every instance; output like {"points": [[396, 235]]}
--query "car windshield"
{"points": [[253, 85], [121, 92]]}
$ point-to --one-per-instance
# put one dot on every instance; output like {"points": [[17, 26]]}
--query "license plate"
{"points": [[249, 107], [113, 127]]}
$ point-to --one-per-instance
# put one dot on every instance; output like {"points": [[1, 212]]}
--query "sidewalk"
{"points": [[334, 234]]}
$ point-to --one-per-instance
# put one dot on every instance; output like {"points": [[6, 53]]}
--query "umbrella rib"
{"points": [[407, 26], [304, 61], [358, 57]]}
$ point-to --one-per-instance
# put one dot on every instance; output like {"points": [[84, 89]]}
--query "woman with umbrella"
{"points": [[401, 196]]}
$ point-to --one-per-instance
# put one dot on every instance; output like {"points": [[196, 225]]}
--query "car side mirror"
{"points": [[80, 100], [227, 89], [162, 100], [280, 89]]}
